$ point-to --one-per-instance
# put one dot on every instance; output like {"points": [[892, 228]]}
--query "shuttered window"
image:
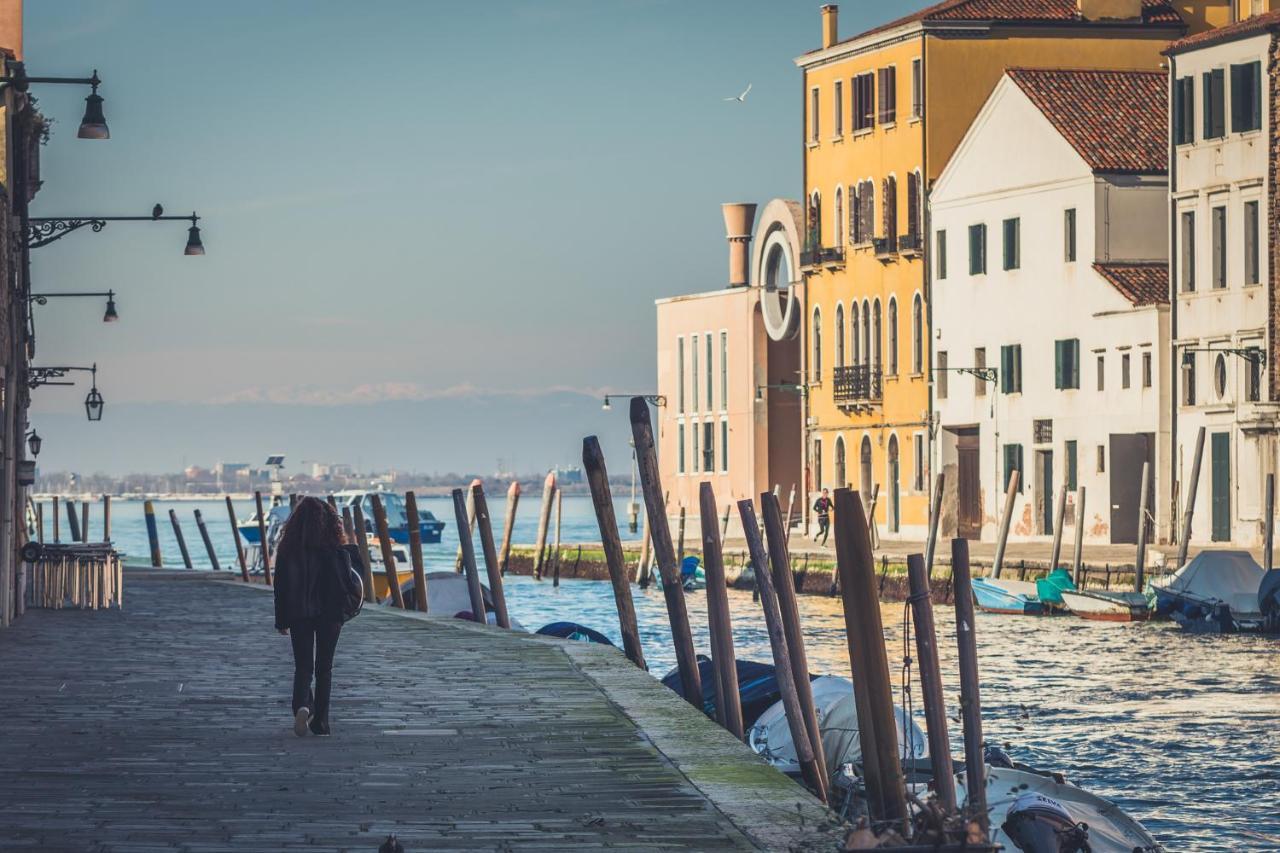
{"points": [[913, 206], [889, 211], [1212, 93], [940, 249], [680, 445], [837, 103], [1069, 235], [977, 249], [864, 88], [1246, 97], [855, 214], [941, 370], [888, 94], [1012, 251], [1070, 452], [813, 115], [917, 88], [1011, 369], [1184, 110], [1252, 269], [1218, 223], [1187, 255], [1067, 363], [866, 211], [1013, 462]]}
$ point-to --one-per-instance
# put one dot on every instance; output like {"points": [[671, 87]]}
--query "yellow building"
{"points": [[883, 112]]}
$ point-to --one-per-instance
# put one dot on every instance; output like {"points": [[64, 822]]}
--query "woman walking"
{"points": [[314, 596]]}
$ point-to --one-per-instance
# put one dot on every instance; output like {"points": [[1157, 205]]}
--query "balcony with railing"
{"points": [[886, 248], [858, 385], [909, 245]]}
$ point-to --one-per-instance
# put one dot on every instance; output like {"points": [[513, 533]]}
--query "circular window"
{"points": [[1220, 375]]}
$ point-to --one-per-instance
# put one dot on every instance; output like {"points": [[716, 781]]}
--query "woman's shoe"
{"points": [[319, 730], [300, 720]]}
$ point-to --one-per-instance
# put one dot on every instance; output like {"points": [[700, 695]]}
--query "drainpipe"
{"points": [[1174, 535]]}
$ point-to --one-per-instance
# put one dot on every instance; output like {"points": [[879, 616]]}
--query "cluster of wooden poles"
{"points": [[77, 573], [767, 542]]}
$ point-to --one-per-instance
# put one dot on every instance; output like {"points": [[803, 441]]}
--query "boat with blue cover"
{"points": [[1005, 595], [429, 527]]}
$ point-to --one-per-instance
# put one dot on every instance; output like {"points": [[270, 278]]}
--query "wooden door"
{"points": [[969, 486], [1221, 445]]}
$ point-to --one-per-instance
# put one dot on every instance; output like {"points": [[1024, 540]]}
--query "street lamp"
{"points": [[94, 124], [93, 402], [43, 230], [651, 399], [785, 386], [34, 441], [110, 316]]}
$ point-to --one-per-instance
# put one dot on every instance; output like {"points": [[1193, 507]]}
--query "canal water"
{"points": [[1183, 732]]}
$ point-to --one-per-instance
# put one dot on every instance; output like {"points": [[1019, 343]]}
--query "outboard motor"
{"points": [[996, 757], [1037, 824]]}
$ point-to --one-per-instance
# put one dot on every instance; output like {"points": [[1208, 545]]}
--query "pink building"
{"points": [[729, 370]]}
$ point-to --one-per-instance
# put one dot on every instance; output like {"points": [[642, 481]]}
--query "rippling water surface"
{"points": [[1183, 732]]}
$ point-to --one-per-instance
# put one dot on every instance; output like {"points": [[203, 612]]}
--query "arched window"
{"points": [[854, 333], [893, 336], [877, 340], [866, 477], [814, 238], [841, 482], [839, 336], [866, 332], [889, 212], [917, 335], [894, 506], [817, 345], [839, 218]]}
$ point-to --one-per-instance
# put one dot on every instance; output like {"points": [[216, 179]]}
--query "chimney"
{"points": [[1109, 10], [830, 14], [739, 219]]}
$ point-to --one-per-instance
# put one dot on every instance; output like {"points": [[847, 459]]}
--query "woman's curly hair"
{"points": [[313, 524]]}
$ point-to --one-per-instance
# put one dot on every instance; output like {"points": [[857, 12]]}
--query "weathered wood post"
{"points": [[54, 512], [873, 696], [718, 618], [555, 551], [871, 516], [509, 523], [1060, 519], [84, 521], [471, 525], [935, 511], [724, 522], [293, 502], [263, 545], [106, 518], [680, 539], [1078, 561], [235, 537], [1269, 528], [415, 551], [791, 503], [362, 543], [1140, 564], [208, 543], [602, 500], [774, 580], [469, 558], [1189, 509], [182, 542], [672, 590], [970, 699], [1010, 495], [40, 522], [153, 535], [491, 565], [73, 521], [935, 707], [642, 568], [348, 526], [388, 556], [544, 520], [332, 501]]}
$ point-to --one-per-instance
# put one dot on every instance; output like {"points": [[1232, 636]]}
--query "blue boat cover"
{"points": [[689, 567], [574, 631], [757, 687], [1049, 589]]}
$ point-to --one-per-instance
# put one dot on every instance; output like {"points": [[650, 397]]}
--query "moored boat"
{"points": [[1107, 606], [430, 528], [1005, 595], [1219, 591]]}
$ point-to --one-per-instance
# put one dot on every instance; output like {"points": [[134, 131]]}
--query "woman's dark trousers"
{"points": [[314, 643]]}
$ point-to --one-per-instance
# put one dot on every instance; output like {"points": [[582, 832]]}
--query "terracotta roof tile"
{"points": [[1240, 29], [1140, 283], [1116, 120], [1019, 11]]}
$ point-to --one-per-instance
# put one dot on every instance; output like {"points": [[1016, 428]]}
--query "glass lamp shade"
{"points": [[194, 246], [607, 406], [110, 316], [94, 404], [94, 124], [34, 441]]}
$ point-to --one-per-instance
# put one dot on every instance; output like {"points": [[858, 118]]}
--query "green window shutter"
{"points": [[1255, 92], [1016, 358], [1057, 364], [1239, 98], [1179, 116], [1206, 117], [1217, 80], [1004, 370], [1071, 465]]}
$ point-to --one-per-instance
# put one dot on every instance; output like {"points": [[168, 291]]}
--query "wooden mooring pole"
{"points": [[1010, 495], [492, 568], [935, 707], [791, 504], [672, 590], [182, 542], [935, 512], [106, 518], [606, 518], [1189, 508], [388, 556], [555, 551], [1078, 559], [54, 513], [84, 521], [361, 528], [153, 534], [235, 537], [40, 522], [719, 621], [642, 568], [264, 547], [680, 540], [544, 520], [1060, 518], [471, 526], [1140, 563], [1269, 526], [508, 524], [208, 543], [73, 521], [873, 695], [970, 699], [415, 551], [782, 621], [469, 558]]}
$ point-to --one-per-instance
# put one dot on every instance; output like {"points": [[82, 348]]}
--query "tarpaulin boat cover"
{"points": [[838, 721], [574, 631], [1049, 589], [1232, 577], [757, 687], [1269, 593]]}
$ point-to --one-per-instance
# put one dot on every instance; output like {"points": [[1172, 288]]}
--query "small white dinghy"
{"points": [[1110, 830], [1105, 606]]}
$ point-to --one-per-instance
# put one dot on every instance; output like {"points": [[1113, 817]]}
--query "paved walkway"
{"points": [[167, 727]]}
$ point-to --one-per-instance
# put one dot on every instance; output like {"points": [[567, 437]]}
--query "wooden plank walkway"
{"points": [[167, 727]]}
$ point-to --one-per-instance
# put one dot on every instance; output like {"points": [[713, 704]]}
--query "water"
{"points": [[1181, 731]]}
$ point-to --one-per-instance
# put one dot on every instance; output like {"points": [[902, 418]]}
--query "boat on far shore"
{"points": [[430, 528]]}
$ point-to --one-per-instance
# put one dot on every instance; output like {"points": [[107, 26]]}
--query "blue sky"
{"points": [[401, 200]]}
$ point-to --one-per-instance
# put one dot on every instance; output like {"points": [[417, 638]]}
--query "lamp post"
{"points": [[43, 230], [651, 399], [109, 316], [94, 124], [782, 386], [34, 442], [93, 402]]}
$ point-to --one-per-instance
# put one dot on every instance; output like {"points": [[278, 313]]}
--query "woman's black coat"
{"points": [[309, 585]]}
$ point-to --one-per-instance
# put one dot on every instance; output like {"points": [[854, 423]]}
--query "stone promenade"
{"points": [[167, 727]]}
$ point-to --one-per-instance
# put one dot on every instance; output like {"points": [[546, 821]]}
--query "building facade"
{"points": [[728, 368], [883, 112], [1051, 318], [1223, 218]]}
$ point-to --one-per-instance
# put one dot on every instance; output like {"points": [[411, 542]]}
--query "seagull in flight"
{"points": [[740, 98]]}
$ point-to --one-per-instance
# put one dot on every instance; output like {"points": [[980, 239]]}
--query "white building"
{"points": [[1050, 305], [1224, 218]]}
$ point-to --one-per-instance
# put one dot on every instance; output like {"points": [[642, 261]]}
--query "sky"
{"points": [[404, 205]]}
